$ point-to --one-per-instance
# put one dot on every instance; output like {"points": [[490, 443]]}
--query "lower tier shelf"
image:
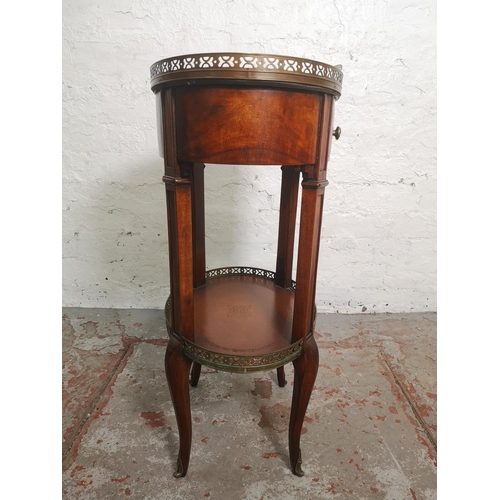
{"points": [[242, 321]]}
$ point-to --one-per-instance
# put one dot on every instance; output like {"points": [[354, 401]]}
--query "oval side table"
{"points": [[246, 109]]}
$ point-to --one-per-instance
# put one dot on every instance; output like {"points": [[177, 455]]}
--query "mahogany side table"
{"points": [[246, 109]]}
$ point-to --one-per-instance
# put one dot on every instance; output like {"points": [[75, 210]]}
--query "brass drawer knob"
{"points": [[336, 133]]}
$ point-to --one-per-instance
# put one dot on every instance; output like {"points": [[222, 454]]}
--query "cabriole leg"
{"points": [[306, 368], [281, 376], [177, 370], [195, 374]]}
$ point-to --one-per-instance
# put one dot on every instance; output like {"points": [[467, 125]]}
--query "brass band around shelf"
{"points": [[233, 362], [250, 67], [242, 364]]}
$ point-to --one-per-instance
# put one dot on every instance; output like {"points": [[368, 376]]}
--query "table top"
{"points": [[240, 68]]}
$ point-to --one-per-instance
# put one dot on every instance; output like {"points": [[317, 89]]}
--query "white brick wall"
{"points": [[379, 227]]}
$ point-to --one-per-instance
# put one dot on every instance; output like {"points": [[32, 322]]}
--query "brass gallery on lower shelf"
{"points": [[242, 364]]}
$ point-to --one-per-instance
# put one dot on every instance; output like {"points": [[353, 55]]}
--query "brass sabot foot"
{"points": [[297, 470], [180, 469]]}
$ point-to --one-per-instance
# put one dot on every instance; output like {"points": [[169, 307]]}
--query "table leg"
{"points": [[177, 369], [307, 260], [281, 376], [195, 374], [198, 208], [306, 365], [306, 368], [180, 242], [286, 232]]}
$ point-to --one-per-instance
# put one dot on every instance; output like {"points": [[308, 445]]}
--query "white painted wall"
{"points": [[378, 246]]}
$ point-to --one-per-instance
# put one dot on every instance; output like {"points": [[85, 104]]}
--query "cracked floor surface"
{"points": [[369, 433]]}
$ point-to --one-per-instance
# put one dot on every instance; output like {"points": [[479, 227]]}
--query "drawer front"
{"points": [[249, 126]]}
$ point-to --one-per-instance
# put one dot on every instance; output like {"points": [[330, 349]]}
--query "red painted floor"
{"points": [[370, 430]]}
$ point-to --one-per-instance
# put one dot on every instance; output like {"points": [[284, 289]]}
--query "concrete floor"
{"points": [[370, 429]]}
